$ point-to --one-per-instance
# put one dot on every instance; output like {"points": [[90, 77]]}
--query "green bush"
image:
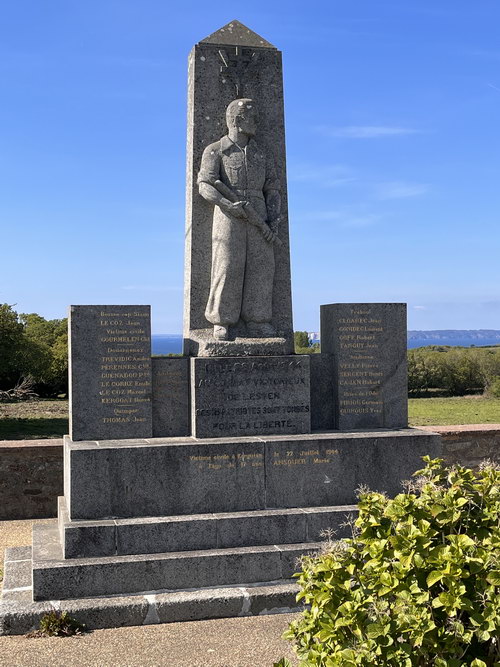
{"points": [[32, 346], [58, 624], [418, 584], [494, 387]]}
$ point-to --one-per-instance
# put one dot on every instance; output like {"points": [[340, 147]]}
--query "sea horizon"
{"points": [[172, 343]]}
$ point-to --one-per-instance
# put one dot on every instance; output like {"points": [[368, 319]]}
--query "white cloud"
{"points": [[365, 131], [419, 308], [400, 190]]}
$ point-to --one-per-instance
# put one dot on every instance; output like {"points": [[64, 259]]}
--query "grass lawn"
{"points": [[462, 410], [31, 420]]}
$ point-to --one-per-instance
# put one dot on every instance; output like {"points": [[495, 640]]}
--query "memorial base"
{"points": [[200, 553]]}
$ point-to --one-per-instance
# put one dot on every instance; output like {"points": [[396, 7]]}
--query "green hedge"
{"points": [[419, 582]]}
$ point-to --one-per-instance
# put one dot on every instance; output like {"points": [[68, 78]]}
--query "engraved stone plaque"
{"points": [[110, 372], [368, 344], [250, 396]]}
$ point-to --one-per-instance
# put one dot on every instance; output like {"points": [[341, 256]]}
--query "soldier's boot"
{"points": [[220, 332]]}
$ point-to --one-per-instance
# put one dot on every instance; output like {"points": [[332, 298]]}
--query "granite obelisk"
{"points": [[232, 66]]}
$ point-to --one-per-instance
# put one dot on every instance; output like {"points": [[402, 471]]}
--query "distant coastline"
{"points": [[460, 337], [172, 343]]}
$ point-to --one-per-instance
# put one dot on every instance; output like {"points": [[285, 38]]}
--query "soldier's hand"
{"points": [[274, 225], [237, 209], [268, 233]]}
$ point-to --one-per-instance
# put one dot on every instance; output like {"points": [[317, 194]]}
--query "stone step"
{"points": [[121, 537], [19, 614], [55, 578]]}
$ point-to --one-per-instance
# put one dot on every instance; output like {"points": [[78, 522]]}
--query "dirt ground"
{"points": [[34, 409]]}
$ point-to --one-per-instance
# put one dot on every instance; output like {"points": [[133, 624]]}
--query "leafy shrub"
{"points": [[55, 624], [32, 346], [419, 582], [494, 387]]}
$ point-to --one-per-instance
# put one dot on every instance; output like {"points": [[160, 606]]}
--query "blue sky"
{"points": [[393, 144]]}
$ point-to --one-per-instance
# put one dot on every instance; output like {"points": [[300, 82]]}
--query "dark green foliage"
{"points": [[11, 343], [494, 387], [301, 339], [302, 344], [58, 624], [33, 346], [456, 370], [417, 585]]}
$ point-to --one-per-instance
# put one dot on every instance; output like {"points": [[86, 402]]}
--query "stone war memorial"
{"points": [[192, 484]]}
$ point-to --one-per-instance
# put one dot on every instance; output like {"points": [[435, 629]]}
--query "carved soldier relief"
{"points": [[238, 177]]}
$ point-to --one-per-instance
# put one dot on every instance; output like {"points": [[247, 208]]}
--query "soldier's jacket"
{"points": [[249, 172]]}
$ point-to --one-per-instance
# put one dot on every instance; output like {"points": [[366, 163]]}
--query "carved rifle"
{"points": [[253, 217]]}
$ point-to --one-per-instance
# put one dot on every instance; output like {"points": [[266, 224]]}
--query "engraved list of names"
{"points": [[367, 342], [110, 372]]}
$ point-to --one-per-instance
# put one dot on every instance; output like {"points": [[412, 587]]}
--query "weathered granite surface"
{"points": [[322, 402], [220, 72], [203, 345], [237, 33], [173, 476], [110, 372], [251, 396], [171, 409], [19, 614], [31, 478], [367, 342], [223, 530], [57, 578]]}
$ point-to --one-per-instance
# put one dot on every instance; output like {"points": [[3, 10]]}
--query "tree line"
{"points": [[34, 349], [455, 371]]}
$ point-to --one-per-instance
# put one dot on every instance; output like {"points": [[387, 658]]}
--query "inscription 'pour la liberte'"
{"points": [[252, 395]]}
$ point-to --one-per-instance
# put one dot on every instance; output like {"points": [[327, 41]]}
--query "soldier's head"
{"points": [[242, 116]]}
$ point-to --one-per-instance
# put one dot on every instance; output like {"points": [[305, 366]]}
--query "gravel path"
{"points": [[233, 642]]}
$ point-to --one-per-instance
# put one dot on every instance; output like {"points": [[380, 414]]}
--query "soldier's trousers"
{"points": [[242, 273]]}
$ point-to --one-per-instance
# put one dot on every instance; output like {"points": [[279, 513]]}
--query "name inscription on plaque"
{"points": [[110, 359], [360, 373], [295, 456], [125, 366], [367, 342]]}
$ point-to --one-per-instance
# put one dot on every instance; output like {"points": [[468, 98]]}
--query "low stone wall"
{"points": [[31, 471], [31, 478], [470, 444]]}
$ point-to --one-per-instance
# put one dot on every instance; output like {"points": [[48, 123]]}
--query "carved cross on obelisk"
{"points": [[235, 62]]}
